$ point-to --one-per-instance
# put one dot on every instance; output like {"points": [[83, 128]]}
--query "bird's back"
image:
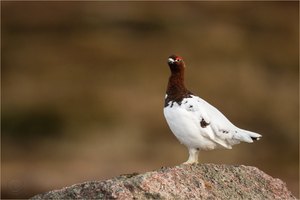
{"points": [[224, 129]]}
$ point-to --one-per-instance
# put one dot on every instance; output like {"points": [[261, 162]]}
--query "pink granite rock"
{"points": [[202, 181]]}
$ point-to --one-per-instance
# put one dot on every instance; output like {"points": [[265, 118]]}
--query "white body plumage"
{"points": [[185, 119]]}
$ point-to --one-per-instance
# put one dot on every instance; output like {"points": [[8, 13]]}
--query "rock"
{"points": [[202, 181]]}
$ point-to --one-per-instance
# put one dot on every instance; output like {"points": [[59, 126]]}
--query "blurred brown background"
{"points": [[83, 85]]}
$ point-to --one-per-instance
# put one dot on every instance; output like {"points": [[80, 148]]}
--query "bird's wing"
{"points": [[216, 126]]}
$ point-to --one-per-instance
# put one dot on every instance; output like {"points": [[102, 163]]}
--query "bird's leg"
{"points": [[193, 156]]}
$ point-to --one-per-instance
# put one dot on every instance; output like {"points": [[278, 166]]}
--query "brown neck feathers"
{"points": [[176, 90]]}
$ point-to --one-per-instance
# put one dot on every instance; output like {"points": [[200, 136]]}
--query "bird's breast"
{"points": [[184, 124]]}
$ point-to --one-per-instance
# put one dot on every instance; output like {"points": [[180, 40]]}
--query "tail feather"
{"points": [[252, 135], [255, 138]]}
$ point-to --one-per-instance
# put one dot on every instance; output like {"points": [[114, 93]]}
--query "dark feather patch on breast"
{"points": [[178, 99], [203, 123]]}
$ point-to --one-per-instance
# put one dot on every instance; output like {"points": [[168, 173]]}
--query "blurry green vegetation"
{"points": [[83, 86]]}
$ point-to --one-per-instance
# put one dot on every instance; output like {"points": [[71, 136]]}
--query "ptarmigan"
{"points": [[197, 124]]}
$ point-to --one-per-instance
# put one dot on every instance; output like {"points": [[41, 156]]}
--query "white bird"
{"points": [[197, 124]]}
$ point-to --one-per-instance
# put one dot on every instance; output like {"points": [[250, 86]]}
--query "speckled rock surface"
{"points": [[202, 181]]}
